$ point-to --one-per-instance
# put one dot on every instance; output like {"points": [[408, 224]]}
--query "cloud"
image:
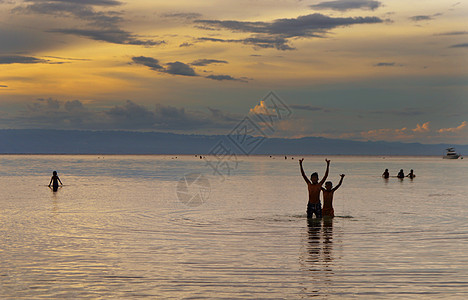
{"points": [[344, 5], [224, 77], [204, 62], [424, 17], [185, 45], [387, 134], [453, 33], [174, 68], [17, 59], [114, 36], [411, 112], [306, 107], [82, 10], [422, 128], [3, 86], [51, 113], [265, 42], [150, 62], [183, 69], [182, 15], [103, 24], [302, 26], [464, 45], [385, 64], [276, 34], [180, 68], [461, 127]]}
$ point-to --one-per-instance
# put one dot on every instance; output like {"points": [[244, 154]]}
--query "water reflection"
{"points": [[318, 259]]}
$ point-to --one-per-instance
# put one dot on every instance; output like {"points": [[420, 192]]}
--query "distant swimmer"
{"points": [[55, 181], [411, 174], [328, 192], [401, 174], [385, 174], [314, 186]]}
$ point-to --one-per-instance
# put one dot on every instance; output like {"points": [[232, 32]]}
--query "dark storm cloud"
{"points": [[3, 86], [344, 5], [150, 62], [114, 36], [276, 34], [464, 45], [179, 68], [205, 62], [18, 59], [51, 114]]}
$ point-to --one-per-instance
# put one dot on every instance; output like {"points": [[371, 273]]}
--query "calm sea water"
{"points": [[118, 229]]}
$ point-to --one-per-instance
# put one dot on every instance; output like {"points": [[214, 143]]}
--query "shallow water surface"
{"points": [[118, 230]]}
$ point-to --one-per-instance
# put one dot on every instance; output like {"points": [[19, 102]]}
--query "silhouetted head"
{"points": [[314, 177], [328, 185], [411, 171], [401, 170], [386, 170], [54, 173]]}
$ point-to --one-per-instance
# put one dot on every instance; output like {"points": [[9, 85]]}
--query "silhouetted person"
{"points": [[328, 192], [55, 181], [401, 174], [314, 186], [411, 174], [385, 174]]}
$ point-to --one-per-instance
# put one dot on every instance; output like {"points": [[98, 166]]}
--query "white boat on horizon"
{"points": [[451, 154]]}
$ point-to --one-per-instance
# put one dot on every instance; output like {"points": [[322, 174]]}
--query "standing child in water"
{"points": [[386, 174], [314, 186], [54, 181], [328, 192]]}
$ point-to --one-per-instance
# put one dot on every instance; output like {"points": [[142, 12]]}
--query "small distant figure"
{"points": [[386, 174], [285, 157], [314, 186], [401, 174], [411, 174], [55, 181], [328, 192]]}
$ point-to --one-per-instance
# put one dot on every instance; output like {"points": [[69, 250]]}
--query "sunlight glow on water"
{"points": [[117, 230]]}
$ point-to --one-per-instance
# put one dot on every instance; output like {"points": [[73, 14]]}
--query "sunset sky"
{"points": [[388, 70]]}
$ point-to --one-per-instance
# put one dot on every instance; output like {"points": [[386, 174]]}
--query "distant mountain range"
{"points": [[38, 141]]}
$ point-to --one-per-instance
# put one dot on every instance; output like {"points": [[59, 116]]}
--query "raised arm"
{"points": [[302, 171], [326, 172], [339, 183]]}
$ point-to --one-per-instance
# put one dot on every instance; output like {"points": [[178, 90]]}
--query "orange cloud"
{"points": [[422, 128], [388, 134], [456, 129]]}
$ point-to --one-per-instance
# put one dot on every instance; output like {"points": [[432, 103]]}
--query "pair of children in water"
{"points": [[315, 187]]}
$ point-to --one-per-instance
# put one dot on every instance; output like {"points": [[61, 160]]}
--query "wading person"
{"points": [[314, 187]]}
